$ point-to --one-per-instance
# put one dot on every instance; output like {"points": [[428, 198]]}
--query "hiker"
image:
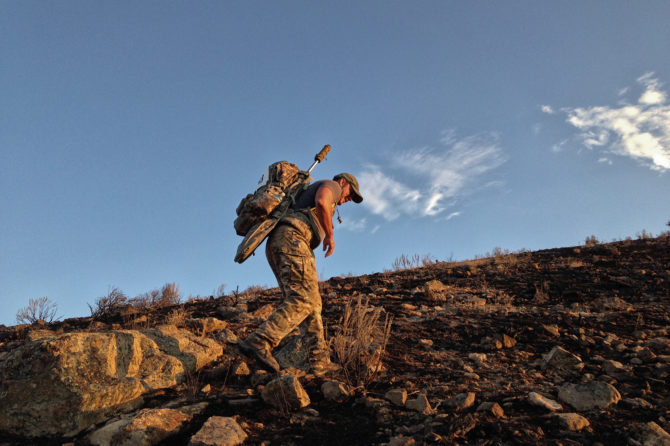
{"points": [[289, 251]]}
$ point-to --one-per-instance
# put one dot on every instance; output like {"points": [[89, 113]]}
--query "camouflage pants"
{"points": [[293, 264]]}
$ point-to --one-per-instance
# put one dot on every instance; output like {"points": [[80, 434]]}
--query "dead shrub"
{"points": [[591, 240], [41, 309], [170, 295], [360, 341], [167, 296], [109, 304]]}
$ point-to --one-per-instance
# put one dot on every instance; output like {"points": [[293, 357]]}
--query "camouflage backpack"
{"points": [[280, 181], [260, 212]]}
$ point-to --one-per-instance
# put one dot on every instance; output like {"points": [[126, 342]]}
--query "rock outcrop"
{"points": [[61, 385]]}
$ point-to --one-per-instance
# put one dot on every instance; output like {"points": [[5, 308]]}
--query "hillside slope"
{"points": [[482, 349]]}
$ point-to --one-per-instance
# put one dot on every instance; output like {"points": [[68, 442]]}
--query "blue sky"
{"points": [[130, 130]]}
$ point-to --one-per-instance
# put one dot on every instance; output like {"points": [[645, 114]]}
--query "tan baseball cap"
{"points": [[353, 182]]}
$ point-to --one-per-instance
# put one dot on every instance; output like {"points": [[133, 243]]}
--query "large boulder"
{"points": [[61, 385], [596, 394]]}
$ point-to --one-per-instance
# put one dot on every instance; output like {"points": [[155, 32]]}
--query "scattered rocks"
{"points": [[286, 394], [460, 402], [219, 431], [572, 421], [538, 400], [596, 394]]}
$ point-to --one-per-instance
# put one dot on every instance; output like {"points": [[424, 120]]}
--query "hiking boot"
{"points": [[321, 369], [261, 351]]}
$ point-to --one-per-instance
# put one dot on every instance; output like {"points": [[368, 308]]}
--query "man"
{"points": [[289, 252]]}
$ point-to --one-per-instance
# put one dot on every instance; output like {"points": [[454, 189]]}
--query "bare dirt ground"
{"points": [[606, 304]]}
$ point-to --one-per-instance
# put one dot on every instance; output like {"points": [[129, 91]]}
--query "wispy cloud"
{"points": [[441, 175], [547, 109], [354, 225], [640, 131]]}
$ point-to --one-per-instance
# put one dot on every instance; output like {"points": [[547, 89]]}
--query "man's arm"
{"points": [[324, 202]]}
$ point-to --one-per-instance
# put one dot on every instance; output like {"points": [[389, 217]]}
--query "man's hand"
{"points": [[328, 245]]}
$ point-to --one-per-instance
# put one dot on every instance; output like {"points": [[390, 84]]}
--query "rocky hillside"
{"points": [[563, 346]]}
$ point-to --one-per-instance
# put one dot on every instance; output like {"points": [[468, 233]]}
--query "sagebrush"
{"points": [[360, 340]]}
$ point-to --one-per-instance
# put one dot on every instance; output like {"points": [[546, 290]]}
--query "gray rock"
{"points": [[552, 330], [651, 434], [293, 354], [572, 421], [637, 403], [335, 391], [491, 408], [616, 369], [151, 426], [460, 402], [419, 404], [397, 396], [562, 361], [538, 400], [286, 394], [219, 431], [478, 358], [104, 435], [596, 394]]}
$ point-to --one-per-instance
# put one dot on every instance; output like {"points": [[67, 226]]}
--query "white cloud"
{"points": [[386, 196], [556, 148], [444, 174], [353, 224], [453, 215], [547, 109], [605, 161], [640, 131]]}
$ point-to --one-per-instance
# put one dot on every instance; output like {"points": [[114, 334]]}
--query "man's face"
{"points": [[346, 192]]}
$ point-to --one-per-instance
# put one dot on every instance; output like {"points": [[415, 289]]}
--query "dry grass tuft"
{"points": [[177, 317], [360, 341]]}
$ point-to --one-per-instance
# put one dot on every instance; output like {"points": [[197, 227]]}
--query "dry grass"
{"points": [[360, 341], [177, 317], [406, 262]]}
